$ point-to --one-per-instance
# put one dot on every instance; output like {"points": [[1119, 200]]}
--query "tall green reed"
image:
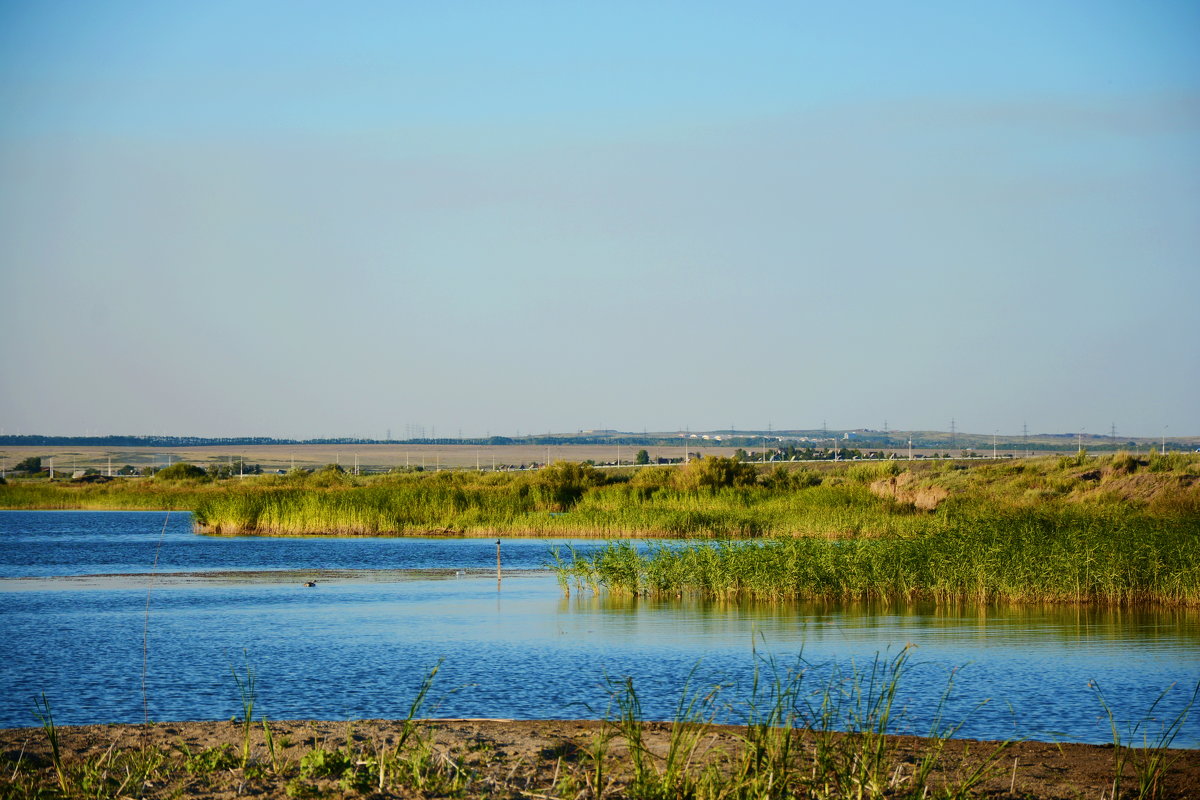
{"points": [[45, 716], [1019, 555], [247, 694], [1152, 758]]}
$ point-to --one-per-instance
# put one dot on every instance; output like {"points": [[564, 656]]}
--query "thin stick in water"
{"points": [[146, 624]]}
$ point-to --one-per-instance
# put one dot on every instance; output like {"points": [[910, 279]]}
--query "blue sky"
{"points": [[316, 219]]}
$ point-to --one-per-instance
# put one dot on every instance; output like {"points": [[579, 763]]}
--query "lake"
{"points": [[81, 591]]}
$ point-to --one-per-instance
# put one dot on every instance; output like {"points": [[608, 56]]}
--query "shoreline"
{"points": [[528, 758]]}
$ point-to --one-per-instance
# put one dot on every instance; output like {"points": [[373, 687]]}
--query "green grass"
{"points": [[132, 494], [1072, 555], [841, 502], [1115, 529], [1153, 757], [710, 497], [423, 505]]}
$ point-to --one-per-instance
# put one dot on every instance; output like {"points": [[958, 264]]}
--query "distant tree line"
{"points": [[180, 470]]}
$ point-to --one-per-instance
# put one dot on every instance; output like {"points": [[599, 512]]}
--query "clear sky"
{"points": [[307, 219]]}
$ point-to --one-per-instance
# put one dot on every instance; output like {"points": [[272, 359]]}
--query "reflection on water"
{"points": [[991, 625], [73, 604]]}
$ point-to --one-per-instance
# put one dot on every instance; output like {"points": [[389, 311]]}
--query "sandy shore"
{"points": [[496, 758]]}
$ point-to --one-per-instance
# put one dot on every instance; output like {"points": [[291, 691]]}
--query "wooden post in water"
{"points": [[497, 562]]}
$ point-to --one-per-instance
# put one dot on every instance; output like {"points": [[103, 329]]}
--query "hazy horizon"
{"points": [[302, 221], [451, 437]]}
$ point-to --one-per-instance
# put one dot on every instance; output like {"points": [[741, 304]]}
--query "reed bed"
{"points": [[134, 495], [980, 556], [610, 511]]}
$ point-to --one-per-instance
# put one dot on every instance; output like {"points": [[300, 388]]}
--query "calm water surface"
{"points": [[73, 609]]}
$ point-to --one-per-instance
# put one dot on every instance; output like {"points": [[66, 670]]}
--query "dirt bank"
{"points": [[498, 758]]}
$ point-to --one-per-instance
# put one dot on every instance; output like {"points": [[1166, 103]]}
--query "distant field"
{"points": [[383, 457], [370, 457]]}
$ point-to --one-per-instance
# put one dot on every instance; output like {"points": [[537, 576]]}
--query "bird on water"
{"points": [[310, 583]]}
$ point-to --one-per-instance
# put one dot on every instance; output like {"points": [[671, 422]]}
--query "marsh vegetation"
{"points": [[1114, 529]]}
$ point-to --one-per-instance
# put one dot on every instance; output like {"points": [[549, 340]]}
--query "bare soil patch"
{"points": [[906, 488]]}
